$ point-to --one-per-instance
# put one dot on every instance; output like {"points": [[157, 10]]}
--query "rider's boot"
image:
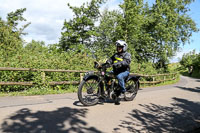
{"points": [[121, 93], [116, 99]]}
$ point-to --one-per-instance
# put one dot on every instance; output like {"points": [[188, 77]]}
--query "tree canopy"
{"points": [[81, 29], [153, 33], [10, 35]]}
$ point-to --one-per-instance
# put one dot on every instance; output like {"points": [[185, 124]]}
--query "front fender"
{"points": [[101, 85], [87, 77]]}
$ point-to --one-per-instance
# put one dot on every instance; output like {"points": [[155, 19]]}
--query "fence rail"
{"points": [[174, 76]]}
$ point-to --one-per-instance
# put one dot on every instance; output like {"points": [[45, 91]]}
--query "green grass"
{"points": [[41, 91], [161, 84]]}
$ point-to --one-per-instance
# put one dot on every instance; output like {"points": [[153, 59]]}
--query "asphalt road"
{"points": [[171, 108]]}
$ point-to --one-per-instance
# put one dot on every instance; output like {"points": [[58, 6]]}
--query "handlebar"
{"points": [[97, 65], [100, 67]]}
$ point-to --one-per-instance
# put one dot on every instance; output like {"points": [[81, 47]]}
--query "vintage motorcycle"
{"points": [[91, 88]]}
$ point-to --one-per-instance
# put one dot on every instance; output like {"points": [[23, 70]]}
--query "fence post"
{"points": [[81, 77], [174, 75], [164, 78], [43, 77], [153, 80]]}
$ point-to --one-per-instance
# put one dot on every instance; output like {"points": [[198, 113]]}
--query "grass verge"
{"points": [[41, 91], [163, 83]]}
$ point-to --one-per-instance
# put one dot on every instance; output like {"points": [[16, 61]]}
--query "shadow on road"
{"points": [[62, 120], [179, 117], [196, 89]]}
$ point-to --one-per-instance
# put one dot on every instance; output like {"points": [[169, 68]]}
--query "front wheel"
{"points": [[132, 87], [88, 91]]}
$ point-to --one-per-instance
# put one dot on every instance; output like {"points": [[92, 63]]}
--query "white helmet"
{"points": [[122, 44]]}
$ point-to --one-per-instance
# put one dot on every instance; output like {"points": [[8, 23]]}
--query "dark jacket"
{"points": [[120, 62]]}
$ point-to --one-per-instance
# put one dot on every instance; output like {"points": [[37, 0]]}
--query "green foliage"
{"points": [[10, 35], [170, 26], [38, 56], [189, 60], [153, 34], [107, 33], [14, 17], [9, 40], [156, 33], [81, 28]]}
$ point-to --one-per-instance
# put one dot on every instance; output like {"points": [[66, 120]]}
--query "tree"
{"points": [[170, 26], [196, 63], [188, 59], [10, 34], [107, 34], [191, 61], [130, 27], [156, 33], [81, 29], [13, 19]]}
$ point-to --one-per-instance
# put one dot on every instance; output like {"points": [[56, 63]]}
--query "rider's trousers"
{"points": [[121, 77]]}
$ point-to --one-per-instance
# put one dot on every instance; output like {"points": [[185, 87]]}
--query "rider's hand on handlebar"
{"points": [[117, 65], [97, 65], [105, 65]]}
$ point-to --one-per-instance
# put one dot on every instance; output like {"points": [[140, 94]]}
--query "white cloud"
{"points": [[46, 16], [177, 57], [111, 4], [179, 54]]}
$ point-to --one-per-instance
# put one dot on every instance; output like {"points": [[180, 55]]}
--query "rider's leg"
{"points": [[121, 77]]}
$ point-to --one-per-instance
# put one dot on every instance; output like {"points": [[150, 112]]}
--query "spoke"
{"points": [[91, 97], [94, 84], [89, 84]]}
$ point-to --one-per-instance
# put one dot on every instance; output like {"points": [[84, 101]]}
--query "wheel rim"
{"points": [[131, 89], [90, 91]]}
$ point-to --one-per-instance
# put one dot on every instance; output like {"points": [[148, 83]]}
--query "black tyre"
{"points": [[88, 91], [131, 89]]}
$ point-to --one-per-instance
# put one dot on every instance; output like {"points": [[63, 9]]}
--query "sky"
{"points": [[47, 18]]}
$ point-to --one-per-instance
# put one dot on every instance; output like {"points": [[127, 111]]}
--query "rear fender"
{"points": [[135, 78]]}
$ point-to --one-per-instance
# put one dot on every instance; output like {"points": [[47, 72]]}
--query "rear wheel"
{"points": [[88, 92], [131, 89]]}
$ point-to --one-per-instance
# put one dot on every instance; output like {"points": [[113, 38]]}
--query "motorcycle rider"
{"points": [[121, 66]]}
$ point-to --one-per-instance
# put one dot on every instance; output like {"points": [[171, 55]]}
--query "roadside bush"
{"points": [[36, 55]]}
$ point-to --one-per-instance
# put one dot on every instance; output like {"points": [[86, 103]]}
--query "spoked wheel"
{"points": [[88, 92], [131, 90]]}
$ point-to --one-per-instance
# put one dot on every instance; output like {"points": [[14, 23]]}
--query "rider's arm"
{"points": [[127, 60]]}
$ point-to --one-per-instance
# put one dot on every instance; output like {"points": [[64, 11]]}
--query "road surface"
{"points": [[171, 108]]}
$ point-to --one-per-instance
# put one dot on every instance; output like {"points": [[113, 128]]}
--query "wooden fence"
{"points": [[155, 79]]}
